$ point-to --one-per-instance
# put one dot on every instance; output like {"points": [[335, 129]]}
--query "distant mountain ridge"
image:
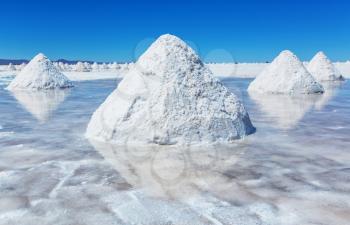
{"points": [[13, 61], [20, 61]]}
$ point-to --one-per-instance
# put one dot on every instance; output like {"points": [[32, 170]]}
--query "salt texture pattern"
{"points": [[50, 174]]}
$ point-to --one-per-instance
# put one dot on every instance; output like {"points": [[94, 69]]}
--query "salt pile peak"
{"points": [[285, 75], [40, 73], [170, 97], [323, 69]]}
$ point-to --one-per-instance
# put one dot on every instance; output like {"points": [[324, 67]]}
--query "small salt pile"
{"points": [[285, 75], [40, 73], [323, 69]]}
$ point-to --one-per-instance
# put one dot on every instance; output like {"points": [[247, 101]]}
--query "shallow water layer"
{"points": [[294, 170]]}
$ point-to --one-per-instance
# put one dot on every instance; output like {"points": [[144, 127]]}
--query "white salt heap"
{"points": [[285, 75], [39, 74], [95, 67], [114, 66], [81, 67], [20, 67], [104, 66], [11, 67], [323, 69], [169, 97]]}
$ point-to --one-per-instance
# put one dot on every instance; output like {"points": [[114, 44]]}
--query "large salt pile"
{"points": [[169, 97], [285, 75], [39, 74], [323, 69]]}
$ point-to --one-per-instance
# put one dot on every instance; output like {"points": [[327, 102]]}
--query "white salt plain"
{"points": [[294, 170]]}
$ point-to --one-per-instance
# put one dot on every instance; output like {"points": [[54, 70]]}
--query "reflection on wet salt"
{"points": [[173, 172], [6, 79], [284, 111], [331, 89], [41, 104], [50, 174]]}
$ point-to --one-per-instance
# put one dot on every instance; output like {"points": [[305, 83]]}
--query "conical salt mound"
{"points": [[285, 75], [39, 74], [323, 69], [169, 97], [11, 67]]}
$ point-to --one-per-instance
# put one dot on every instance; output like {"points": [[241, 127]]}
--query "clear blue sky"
{"points": [[244, 30]]}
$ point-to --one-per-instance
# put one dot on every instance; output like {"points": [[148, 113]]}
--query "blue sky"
{"points": [[244, 30]]}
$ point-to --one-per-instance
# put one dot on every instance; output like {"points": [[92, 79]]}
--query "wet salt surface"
{"points": [[294, 170]]}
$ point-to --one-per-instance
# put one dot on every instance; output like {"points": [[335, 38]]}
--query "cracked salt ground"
{"points": [[294, 170]]}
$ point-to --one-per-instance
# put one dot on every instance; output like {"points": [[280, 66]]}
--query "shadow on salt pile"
{"points": [[41, 104], [285, 111], [172, 172]]}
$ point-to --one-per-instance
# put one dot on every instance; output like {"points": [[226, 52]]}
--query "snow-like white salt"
{"points": [[39, 74], [323, 69], [170, 97], [285, 75]]}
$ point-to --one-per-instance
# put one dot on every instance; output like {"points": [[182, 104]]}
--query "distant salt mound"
{"points": [[95, 67], [285, 75], [114, 66], [39, 74], [103, 67], [169, 97], [323, 69], [11, 67], [82, 67], [20, 67]]}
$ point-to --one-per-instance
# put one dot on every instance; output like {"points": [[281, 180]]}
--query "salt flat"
{"points": [[293, 170], [242, 70]]}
